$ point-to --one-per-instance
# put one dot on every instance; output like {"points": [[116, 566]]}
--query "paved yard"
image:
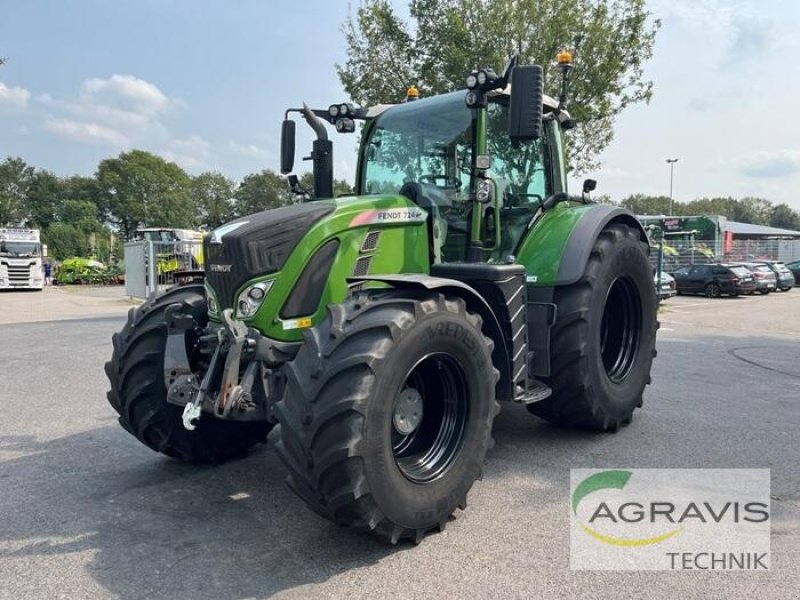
{"points": [[87, 512], [62, 302]]}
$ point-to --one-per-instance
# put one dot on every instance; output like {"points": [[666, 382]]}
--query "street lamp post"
{"points": [[671, 162]]}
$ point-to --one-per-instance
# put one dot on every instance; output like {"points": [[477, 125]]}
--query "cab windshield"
{"points": [[157, 236], [431, 142], [20, 249]]}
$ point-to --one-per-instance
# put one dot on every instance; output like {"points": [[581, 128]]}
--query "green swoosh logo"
{"points": [[599, 481]]}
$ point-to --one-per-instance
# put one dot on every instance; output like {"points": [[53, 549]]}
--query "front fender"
{"points": [[475, 303]]}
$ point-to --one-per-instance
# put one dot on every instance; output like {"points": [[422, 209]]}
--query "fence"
{"points": [[679, 253], [154, 266]]}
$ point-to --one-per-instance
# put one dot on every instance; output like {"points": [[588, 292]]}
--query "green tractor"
{"points": [[376, 335]]}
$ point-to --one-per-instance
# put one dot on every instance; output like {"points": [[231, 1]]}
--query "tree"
{"points": [[81, 214], [144, 190], [212, 195], [640, 204], [15, 180], [65, 241], [750, 210], [784, 217], [261, 191], [84, 189], [42, 199], [446, 39], [340, 186]]}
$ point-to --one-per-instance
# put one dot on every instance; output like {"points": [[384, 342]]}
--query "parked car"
{"points": [[784, 275], [665, 288], [794, 267], [713, 280], [765, 279]]}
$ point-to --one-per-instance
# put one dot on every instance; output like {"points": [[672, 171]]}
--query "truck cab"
{"points": [[21, 254]]}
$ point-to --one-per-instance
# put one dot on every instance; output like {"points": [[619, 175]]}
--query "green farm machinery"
{"points": [[373, 338]]}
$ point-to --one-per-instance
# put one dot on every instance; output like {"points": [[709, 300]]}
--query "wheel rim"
{"points": [[429, 418], [621, 329], [713, 290]]}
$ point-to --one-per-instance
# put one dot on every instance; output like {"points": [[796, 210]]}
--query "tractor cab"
{"points": [[426, 150]]}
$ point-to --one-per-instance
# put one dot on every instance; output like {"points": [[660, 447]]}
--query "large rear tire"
{"points": [[603, 341], [139, 395], [388, 413]]}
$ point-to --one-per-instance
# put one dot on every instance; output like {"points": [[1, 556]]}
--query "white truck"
{"points": [[21, 253]]}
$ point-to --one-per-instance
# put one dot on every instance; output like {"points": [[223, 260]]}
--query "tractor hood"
{"points": [[306, 254], [257, 244]]}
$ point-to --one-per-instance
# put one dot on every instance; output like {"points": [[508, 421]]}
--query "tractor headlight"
{"points": [[251, 298], [482, 77], [333, 110], [472, 81], [211, 300]]}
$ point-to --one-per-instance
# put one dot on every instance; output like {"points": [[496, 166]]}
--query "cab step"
{"points": [[536, 392]]}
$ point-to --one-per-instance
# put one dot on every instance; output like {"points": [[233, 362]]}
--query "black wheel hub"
{"points": [[621, 329], [429, 418]]}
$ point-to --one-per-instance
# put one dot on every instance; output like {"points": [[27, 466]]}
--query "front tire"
{"points": [[139, 395], [388, 413], [712, 290], [603, 341]]}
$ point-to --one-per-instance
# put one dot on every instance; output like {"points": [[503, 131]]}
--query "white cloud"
{"points": [[192, 153], [248, 150], [15, 97], [771, 164], [121, 111], [91, 133], [128, 92]]}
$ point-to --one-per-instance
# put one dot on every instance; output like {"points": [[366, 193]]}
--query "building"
{"points": [[693, 239]]}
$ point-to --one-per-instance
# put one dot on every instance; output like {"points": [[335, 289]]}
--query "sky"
{"points": [[205, 83]]}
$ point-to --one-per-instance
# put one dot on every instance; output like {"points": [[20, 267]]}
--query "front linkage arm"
{"points": [[232, 340]]}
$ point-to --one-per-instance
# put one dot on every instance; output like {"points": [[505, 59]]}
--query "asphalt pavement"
{"points": [[88, 512]]}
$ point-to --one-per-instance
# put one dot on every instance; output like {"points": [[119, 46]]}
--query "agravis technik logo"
{"points": [[613, 480], [673, 519]]}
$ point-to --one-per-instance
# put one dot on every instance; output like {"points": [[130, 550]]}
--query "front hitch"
{"points": [[243, 378]]}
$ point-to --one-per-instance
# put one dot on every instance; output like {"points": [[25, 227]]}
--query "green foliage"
{"points": [[64, 240], [757, 211], [15, 181], [641, 204], [81, 270], [84, 189], [144, 190], [42, 199], [784, 217], [340, 186], [446, 39], [261, 191], [212, 195]]}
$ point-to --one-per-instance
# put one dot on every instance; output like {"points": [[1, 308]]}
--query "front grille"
{"points": [[19, 274], [257, 245]]}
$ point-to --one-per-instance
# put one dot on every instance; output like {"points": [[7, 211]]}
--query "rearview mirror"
{"points": [[525, 109], [287, 146], [589, 185]]}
